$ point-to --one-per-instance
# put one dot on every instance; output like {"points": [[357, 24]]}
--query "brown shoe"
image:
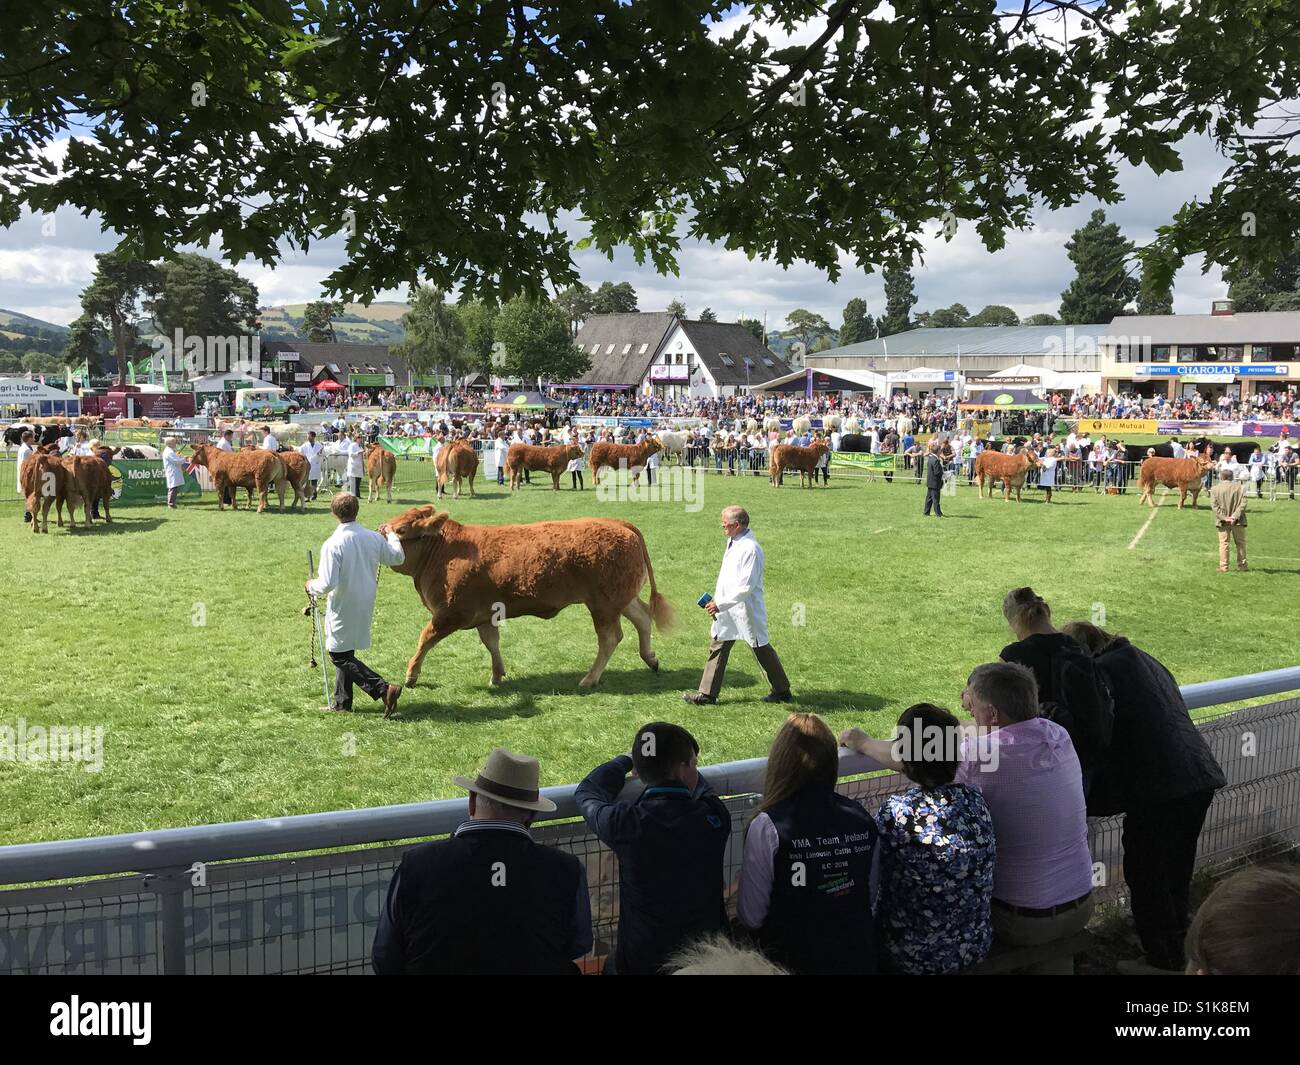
{"points": [[390, 699]]}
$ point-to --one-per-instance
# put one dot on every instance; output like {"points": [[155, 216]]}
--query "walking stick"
{"points": [[317, 632]]}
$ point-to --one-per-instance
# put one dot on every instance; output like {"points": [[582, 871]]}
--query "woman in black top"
{"points": [[1161, 774], [1037, 641]]}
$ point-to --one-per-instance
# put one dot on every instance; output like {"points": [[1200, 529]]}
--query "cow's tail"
{"points": [[660, 609]]}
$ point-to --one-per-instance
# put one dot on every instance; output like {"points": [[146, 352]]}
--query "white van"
{"points": [[263, 402]]}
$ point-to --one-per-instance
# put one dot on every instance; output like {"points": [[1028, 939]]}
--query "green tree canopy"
{"points": [[755, 327], [858, 324], [435, 335], [707, 315], [576, 302], [318, 321], [313, 119], [678, 308], [614, 299], [1042, 319], [202, 298], [944, 318], [900, 298], [537, 342], [1102, 287], [114, 302], [806, 327], [995, 314]]}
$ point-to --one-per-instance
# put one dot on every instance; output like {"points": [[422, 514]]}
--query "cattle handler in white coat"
{"points": [[739, 614], [349, 563]]}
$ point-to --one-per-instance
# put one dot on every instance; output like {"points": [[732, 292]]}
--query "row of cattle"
{"points": [[257, 470], [1186, 474], [50, 480]]}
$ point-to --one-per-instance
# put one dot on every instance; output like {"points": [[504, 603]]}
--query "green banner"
{"points": [[367, 380], [143, 481], [862, 460], [407, 446]]}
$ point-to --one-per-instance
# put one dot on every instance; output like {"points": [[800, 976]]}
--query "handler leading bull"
{"points": [[349, 561]]}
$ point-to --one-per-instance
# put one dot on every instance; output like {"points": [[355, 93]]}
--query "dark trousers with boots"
{"points": [[716, 667], [349, 670], [1159, 853]]}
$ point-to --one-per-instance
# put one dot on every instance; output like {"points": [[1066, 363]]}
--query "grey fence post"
{"points": [[171, 886]]}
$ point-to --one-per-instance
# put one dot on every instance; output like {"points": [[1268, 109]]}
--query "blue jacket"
{"points": [[670, 844]]}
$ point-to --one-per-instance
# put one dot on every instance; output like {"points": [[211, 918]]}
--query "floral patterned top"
{"points": [[936, 878]]}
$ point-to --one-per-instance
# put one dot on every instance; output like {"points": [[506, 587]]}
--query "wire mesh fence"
{"points": [[318, 914]]}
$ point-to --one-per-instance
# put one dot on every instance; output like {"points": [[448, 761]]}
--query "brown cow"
{"points": [[46, 481], [794, 457], [381, 468], [297, 471], [622, 456], [552, 460], [456, 461], [246, 468], [479, 576], [1185, 474], [1009, 469], [93, 483]]}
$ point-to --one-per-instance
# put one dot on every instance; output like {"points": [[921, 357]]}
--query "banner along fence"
{"points": [[193, 904]]}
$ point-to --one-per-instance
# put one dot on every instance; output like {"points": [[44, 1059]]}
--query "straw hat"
{"points": [[510, 779]]}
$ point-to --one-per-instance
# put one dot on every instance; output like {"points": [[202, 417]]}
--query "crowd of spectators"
{"points": [[982, 846]]}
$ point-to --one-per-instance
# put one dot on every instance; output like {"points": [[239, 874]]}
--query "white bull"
{"points": [[674, 443]]}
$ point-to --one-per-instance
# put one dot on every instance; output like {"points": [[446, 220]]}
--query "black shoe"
{"points": [[777, 697], [698, 699]]}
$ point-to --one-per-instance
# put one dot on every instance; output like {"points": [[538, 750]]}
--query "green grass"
{"points": [[223, 721]]}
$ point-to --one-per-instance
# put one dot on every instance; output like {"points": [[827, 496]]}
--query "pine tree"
{"points": [[1102, 287], [858, 325], [900, 298]]}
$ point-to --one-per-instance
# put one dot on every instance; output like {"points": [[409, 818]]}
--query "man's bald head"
{"points": [[739, 515]]}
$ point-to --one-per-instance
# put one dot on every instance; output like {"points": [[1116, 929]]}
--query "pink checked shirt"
{"points": [[1036, 798]]}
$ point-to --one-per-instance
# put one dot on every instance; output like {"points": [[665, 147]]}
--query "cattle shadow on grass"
{"points": [[431, 704], [831, 701], [119, 525], [632, 680]]}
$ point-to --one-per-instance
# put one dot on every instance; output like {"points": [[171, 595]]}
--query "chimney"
{"points": [[1221, 308]]}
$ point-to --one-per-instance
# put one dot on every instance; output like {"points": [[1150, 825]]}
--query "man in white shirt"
{"points": [[269, 442], [351, 448], [26, 449], [739, 613], [173, 470], [1177, 448], [311, 452], [349, 561]]}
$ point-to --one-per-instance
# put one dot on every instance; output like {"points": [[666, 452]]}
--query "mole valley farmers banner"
{"points": [[143, 481]]}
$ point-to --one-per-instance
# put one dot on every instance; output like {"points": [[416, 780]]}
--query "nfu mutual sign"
{"points": [[199, 356]]}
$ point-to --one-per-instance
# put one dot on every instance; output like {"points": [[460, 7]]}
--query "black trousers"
{"points": [[349, 670], [932, 499], [1159, 853], [576, 479]]}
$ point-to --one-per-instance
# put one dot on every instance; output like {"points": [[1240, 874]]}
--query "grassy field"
{"points": [[871, 607]]}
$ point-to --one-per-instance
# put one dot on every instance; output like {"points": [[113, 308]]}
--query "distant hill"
{"points": [[380, 323], [20, 333]]}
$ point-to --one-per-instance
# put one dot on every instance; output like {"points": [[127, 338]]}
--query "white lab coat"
{"points": [[270, 443], [739, 593], [354, 451], [311, 452], [348, 562], [25, 451], [224, 445], [173, 468]]}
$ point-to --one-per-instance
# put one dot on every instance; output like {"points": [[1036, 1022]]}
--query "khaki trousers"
{"points": [[1022, 931], [1238, 535], [716, 667]]}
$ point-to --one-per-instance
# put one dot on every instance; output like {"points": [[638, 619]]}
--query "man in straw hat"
{"points": [[488, 900]]}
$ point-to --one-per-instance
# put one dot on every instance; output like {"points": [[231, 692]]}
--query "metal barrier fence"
{"points": [[194, 907]]}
